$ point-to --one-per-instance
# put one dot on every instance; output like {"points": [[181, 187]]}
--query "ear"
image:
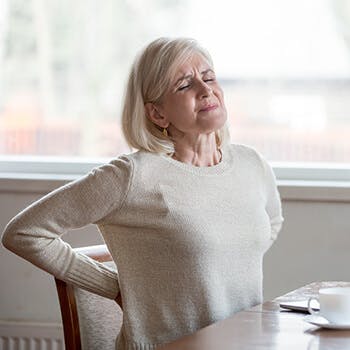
{"points": [[155, 116]]}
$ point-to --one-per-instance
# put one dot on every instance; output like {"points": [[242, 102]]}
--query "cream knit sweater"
{"points": [[188, 241]]}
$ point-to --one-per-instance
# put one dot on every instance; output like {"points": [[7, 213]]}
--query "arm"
{"points": [[35, 233], [273, 202], [99, 253]]}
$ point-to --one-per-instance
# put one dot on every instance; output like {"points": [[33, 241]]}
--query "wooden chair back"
{"points": [[68, 300]]}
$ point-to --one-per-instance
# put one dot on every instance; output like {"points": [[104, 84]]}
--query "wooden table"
{"points": [[267, 326]]}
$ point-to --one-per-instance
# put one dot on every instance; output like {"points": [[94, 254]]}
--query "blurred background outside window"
{"points": [[284, 66]]}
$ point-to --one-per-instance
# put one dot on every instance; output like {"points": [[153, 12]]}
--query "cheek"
{"points": [[220, 93], [184, 105], [222, 99]]}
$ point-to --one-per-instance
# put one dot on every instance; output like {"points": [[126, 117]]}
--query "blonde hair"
{"points": [[149, 78]]}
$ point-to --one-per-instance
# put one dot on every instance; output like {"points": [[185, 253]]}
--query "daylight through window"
{"points": [[284, 67]]}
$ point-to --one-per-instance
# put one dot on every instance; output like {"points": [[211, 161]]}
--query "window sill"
{"points": [[290, 190], [314, 191], [33, 183]]}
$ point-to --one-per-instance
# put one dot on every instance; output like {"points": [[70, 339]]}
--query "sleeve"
{"points": [[35, 233], [273, 205]]}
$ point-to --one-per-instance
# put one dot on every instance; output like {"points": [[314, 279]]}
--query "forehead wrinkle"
{"points": [[185, 59], [184, 77], [207, 71], [188, 76]]}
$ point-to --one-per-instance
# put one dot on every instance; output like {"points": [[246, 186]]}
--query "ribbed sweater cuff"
{"points": [[141, 346], [92, 276]]}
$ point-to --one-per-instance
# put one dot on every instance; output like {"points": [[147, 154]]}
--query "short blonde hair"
{"points": [[149, 79]]}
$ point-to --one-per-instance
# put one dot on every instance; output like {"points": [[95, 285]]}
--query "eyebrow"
{"points": [[190, 76]]}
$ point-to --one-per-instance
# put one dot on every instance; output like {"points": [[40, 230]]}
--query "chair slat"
{"points": [[67, 299], [69, 314]]}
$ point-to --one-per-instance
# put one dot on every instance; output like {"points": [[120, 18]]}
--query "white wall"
{"points": [[313, 245]]}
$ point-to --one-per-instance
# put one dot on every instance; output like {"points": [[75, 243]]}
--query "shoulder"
{"points": [[118, 169], [253, 165], [132, 159], [127, 165], [255, 160], [251, 160], [138, 160], [123, 163], [246, 154]]}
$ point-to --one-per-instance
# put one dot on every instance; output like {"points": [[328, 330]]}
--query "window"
{"points": [[284, 66]]}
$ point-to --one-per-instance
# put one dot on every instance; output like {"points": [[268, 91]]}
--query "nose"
{"points": [[205, 89]]}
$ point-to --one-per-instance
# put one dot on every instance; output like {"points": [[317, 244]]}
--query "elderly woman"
{"points": [[187, 218]]}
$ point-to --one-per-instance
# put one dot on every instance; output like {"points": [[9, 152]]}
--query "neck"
{"points": [[202, 152]]}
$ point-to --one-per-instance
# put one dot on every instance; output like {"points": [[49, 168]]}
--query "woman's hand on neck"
{"points": [[199, 150]]}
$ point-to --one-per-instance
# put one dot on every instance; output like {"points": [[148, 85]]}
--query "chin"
{"points": [[214, 121], [219, 121], [213, 127]]}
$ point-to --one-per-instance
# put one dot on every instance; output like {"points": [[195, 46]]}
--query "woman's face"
{"points": [[194, 103]]}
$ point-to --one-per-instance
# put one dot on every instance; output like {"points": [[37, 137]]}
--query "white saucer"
{"points": [[324, 323]]}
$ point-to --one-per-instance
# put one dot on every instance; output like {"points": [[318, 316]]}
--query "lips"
{"points": [[209, 108]]}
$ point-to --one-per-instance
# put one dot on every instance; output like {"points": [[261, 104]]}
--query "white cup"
{"points": [[334, 305]]}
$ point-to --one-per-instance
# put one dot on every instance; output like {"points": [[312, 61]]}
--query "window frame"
{"points": [[47, 167], [56, 167], [295, 181]]}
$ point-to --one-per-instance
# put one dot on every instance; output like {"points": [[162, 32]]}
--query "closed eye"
{"points": [[183, 87]]}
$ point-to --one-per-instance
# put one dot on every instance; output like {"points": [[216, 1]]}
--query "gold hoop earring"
{"points": [[165, 132]]}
